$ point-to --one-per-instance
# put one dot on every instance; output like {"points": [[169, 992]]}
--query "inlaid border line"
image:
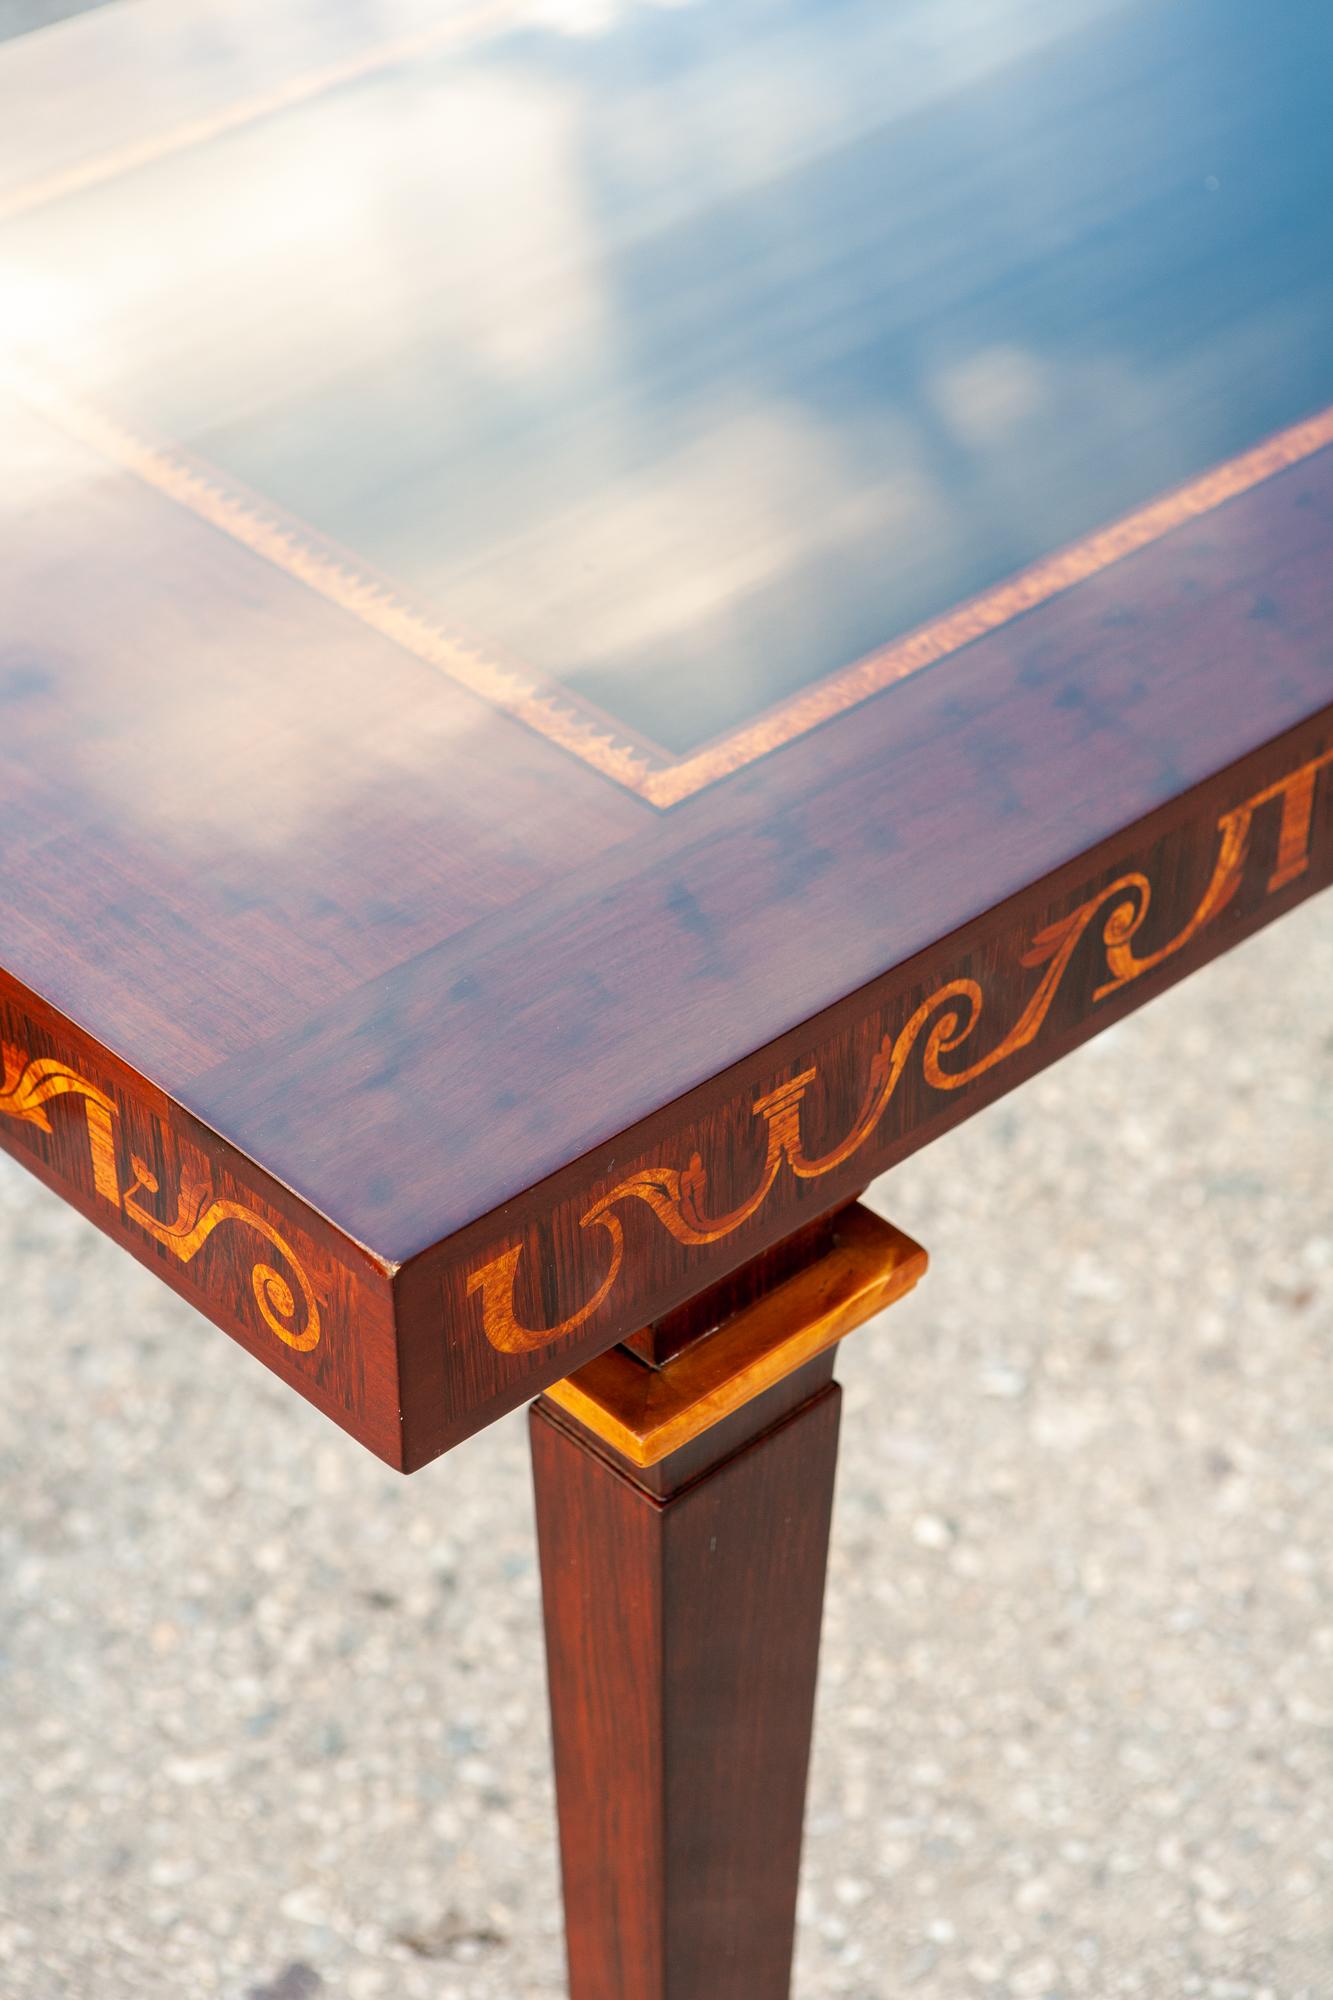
{"points": [[300, 552], [979, 616], [472, 25], [555, 711]]}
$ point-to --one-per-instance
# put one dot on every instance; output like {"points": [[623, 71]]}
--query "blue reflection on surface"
{"points": [[694, 357]]}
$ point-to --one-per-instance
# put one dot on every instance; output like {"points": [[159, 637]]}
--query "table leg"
{"points": [[683, 1518]]}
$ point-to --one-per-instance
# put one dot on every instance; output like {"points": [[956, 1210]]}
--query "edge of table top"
{"points": [[412, 1359]]}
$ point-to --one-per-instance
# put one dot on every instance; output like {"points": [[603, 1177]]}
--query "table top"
{"points": [[614, 612]]}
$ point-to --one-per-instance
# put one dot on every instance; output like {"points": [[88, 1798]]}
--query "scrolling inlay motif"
{"points": [[29, 1084], [942, 1024]]}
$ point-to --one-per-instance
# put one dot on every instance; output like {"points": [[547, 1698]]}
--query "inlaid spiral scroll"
{"points": [[198, 1214], [942, 1025], [29, 1084]]}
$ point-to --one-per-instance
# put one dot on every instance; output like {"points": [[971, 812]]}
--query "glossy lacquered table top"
{"points": [[545, 548]]}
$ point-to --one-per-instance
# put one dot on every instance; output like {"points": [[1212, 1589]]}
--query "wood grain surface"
{"points": [[682, 1647], [536, 759]]}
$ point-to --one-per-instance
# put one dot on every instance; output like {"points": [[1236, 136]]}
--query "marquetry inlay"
{"points": [[646, 1413], [940, 1027], [29, 1085]]}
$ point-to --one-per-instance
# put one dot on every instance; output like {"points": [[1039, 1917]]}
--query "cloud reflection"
{"points": [[692, 351]]}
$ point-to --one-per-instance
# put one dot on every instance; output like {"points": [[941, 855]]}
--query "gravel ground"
{"points": [[271, 1717]]}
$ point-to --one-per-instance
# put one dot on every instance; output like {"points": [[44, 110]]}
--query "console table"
{"points": [[612, 617]]}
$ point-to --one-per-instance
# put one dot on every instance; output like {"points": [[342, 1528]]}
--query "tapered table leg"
{"points": [[683, 1517]]}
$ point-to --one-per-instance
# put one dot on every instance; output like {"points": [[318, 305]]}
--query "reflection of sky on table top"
{"points": [[693, 354]]}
